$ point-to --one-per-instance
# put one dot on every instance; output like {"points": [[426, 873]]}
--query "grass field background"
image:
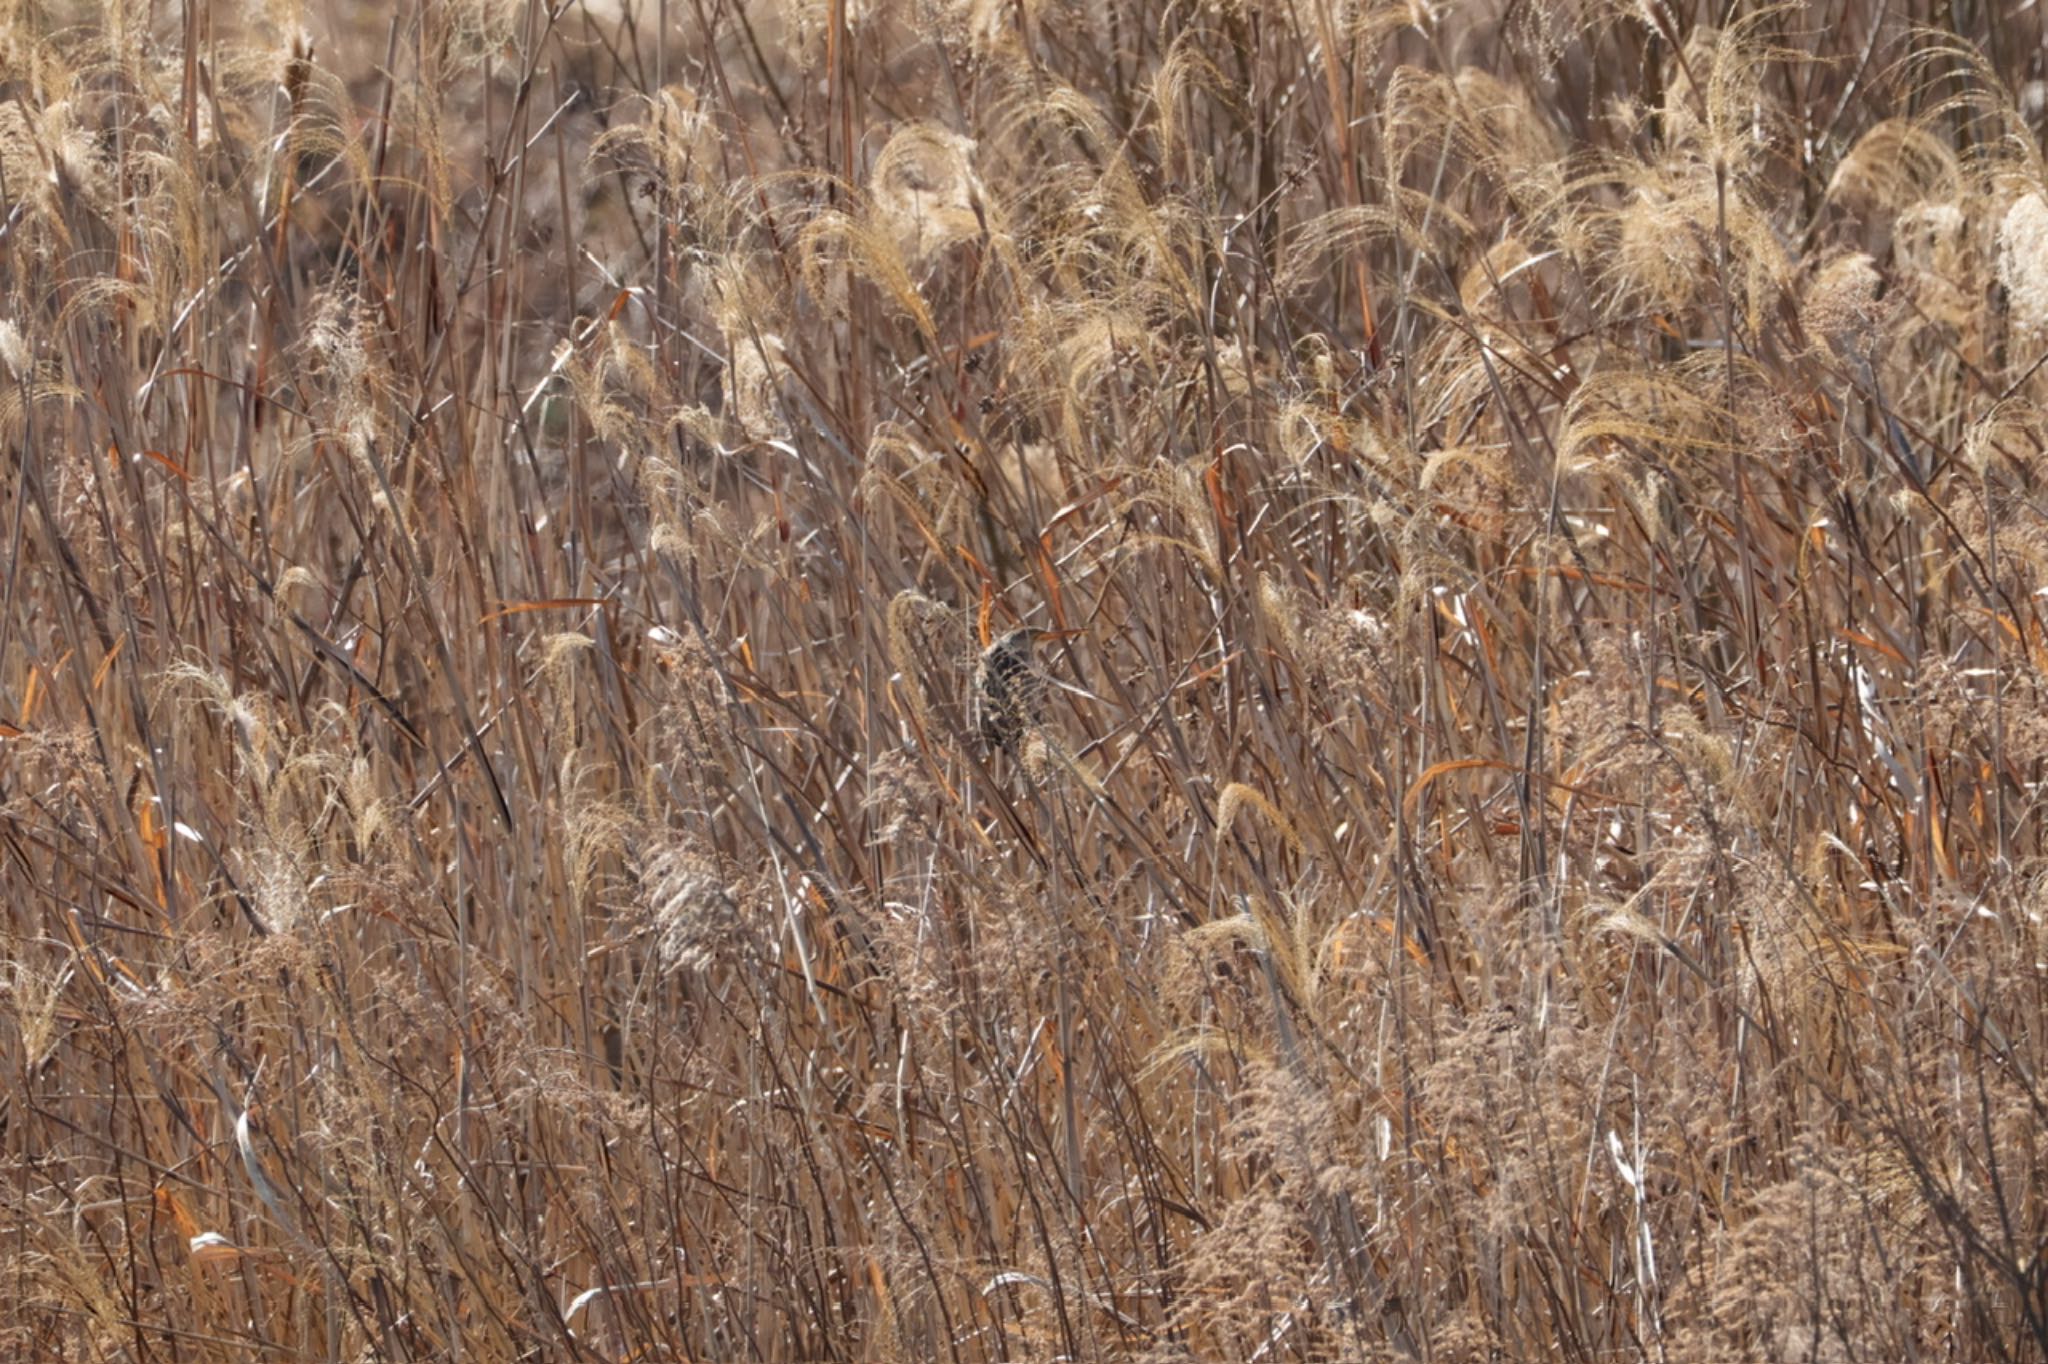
{"points": [[1535, 520]]}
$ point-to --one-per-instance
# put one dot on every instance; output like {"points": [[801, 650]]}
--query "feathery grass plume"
{"points": [[1958, 707], [997, 34], [1966, 93], [2011, 437], [1938, 256], [2023, 262], [671, 155], [928, 490], [1242, 370], [1027, 111], [1716, 782], [102, 294], [589, 373], [1514, 141], [1839, 1295], [26, 390], [1840, 306], [899, 799], [1491, 277], [1096, 222], [1302, 948], [336, 352], [1477, 485], [1034, 475], [1177, 493], [1310, 247], [1699, 201], [34, 996], [25, 159], [555, 679], [55, 162], [305, 128], [1105, 349], [690, 907], [688, 729], [1463, 373], [1236, 796], [1257, 1274], [1600, 725], [1280, 610], [1715, 107], [289, 784], [1351, 650], [58, 1276], [838, 247], [924, 189], [1487, 124], [15, 357], [803, 30], [476, 30], [1304, 429], [374, 816], [1895, 165], [1670, 413], [636, 403], [918, 629], [1186, 73], [754, 379], [1665, 245], [173, 215]]}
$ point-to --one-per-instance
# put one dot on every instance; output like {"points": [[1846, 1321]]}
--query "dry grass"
{"points": [[1535, 521]]}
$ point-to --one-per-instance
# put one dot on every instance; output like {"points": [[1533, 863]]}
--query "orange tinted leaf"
{"points": [[99, 674], [1050, 572], [1871, 642], [977, 565], [1436, 770], [549, 604]]}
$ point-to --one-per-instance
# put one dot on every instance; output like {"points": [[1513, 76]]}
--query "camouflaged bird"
{"points": [[1009, 692]]}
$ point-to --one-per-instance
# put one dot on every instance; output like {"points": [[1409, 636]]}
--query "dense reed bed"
{"points": [[1516, 829]]}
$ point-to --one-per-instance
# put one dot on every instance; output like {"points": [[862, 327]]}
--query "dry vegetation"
{"points": [[1528, 838]]}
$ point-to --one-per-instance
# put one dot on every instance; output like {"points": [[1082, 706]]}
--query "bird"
{"points": [[1009, 691]]}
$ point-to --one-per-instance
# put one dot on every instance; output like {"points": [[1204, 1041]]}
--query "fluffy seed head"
{"points": [[2023, 261]]}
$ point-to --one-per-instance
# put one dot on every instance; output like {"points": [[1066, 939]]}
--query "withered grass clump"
{"points": [[980, 681]]}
